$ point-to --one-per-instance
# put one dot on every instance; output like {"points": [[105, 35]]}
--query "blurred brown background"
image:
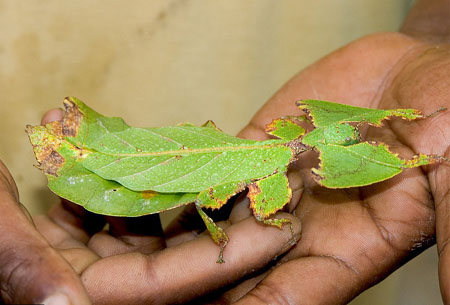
{"points": [[163, 62]]}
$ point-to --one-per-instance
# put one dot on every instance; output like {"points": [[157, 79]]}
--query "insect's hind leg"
{"points": [[214, 198], [216, 232]]}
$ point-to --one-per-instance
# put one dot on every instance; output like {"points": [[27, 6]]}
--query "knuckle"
{"points": [[267, 293], [16, 274], [151, 276]]}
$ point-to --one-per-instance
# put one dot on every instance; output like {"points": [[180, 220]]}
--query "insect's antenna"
{"points": [[435, 113]]}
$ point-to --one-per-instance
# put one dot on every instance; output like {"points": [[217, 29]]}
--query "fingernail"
{"points": [[57, 299]]}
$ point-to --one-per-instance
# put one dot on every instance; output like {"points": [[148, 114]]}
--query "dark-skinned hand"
{"points": [[351, 239]]}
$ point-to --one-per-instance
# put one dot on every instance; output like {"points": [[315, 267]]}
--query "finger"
{"points": [[309, 280], [30, 270], [185, 227], [442, 205], [425, 20], [441, 191], [52, 115], [185, 271], [75, 252], [241, 209], [139, 234], [75, 220], [237, 292]]}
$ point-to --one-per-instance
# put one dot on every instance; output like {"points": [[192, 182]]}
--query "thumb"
{"points": [[30, 270]]}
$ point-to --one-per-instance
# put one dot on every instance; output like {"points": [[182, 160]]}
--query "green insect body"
{"points": [[112, 168]]}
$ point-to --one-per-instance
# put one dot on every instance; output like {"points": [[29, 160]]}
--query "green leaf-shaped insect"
{"points": [[111, 168]]}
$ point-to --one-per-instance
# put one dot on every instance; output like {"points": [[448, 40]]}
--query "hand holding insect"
{"points": [[351, 239], [345, 161]]}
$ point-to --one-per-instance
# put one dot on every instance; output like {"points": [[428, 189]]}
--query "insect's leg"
{"points": [[214, 198], [216, 232], [299, 118], [269, 195]]}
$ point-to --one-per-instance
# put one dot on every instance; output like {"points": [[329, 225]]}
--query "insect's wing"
{"points": [[82, 125], [70, 180]]}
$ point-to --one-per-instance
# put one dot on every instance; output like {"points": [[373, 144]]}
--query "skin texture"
{"points": [[351, 239], [25, 276], [354, 238]]}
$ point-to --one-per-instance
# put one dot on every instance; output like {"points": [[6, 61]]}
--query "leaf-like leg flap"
{"points": [[216, 232], [216, 196], [285, 128], [298, 118], [269, 195], [325, 113], [421, 159], [365, 163]]}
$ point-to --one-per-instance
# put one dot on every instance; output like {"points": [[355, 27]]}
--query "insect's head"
{"points": [[342, 134]]}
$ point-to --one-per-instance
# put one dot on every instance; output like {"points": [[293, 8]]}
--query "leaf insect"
{"points": [[111, 168]]}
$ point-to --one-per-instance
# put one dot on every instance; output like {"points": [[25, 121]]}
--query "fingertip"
{"points": [[52, 115], [241, 210], [297, 186], [265, 242], [254, 132], [57, 299]]}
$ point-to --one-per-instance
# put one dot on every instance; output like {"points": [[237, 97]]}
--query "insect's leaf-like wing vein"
{"points": [[198, 133], [373, 160], [237, 166], [146, 170], [100, 123], [111, 163], [163, 137], [191, 172]]}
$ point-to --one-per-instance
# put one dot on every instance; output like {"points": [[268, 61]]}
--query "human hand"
{"points": [[312, 269], [31, 271], [353, 238]]}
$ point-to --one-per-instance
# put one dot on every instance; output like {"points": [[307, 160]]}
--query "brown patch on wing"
{"points": [[45, 146], [55, 128], [51, 163], [253, 191], [71, 118], [149, 194]]}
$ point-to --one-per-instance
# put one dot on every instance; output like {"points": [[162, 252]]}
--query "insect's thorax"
{"points": [[337, 134]]}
